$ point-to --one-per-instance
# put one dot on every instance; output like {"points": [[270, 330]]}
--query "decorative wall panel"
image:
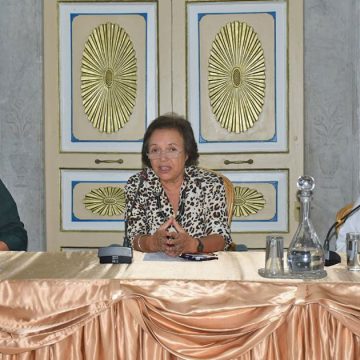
{"points": [[237, 94], [108, 75], [261, 200], [93, 199]]}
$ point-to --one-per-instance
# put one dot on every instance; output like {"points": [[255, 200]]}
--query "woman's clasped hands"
{"points": [[173, 240]]}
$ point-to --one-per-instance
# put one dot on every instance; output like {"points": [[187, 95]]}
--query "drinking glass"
{"points": [[274, 257], [352, 251]]}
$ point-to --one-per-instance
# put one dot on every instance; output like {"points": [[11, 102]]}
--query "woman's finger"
{"points": [[166, 224], [177, 226]]}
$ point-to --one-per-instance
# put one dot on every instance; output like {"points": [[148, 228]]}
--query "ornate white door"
{"points": [[234, 68]]}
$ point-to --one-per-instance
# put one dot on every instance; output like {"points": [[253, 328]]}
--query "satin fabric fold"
{"points": [[138, 318]]}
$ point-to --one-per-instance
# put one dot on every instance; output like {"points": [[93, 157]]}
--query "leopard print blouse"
{"points": [[202, 208]]}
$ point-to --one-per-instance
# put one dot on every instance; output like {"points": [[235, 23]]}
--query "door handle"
{"points": [[119, 161], [250, 161]]}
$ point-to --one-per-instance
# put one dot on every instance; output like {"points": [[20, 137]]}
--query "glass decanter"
{"points": [[305, 253]]}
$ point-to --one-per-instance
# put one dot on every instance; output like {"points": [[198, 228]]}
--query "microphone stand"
{"points": [[116, 254], [331, 257]]}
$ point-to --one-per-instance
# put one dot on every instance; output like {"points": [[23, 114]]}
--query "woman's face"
{"points": [[167, 155]]}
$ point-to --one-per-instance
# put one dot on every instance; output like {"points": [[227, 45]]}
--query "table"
{"points": [[68, 306]]}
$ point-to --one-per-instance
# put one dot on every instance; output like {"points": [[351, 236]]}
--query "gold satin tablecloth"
{"points": [[68, 306]]}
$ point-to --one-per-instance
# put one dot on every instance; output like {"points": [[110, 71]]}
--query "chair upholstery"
{"points": [[230, 196], [341, 213]]}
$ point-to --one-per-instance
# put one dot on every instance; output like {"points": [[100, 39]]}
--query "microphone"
{"points": [[116, 254], [332, 257]]}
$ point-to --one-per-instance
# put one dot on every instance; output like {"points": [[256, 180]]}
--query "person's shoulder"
{"points": [[3, 188], [5, 195], [135, 179], [207, 176], [146, 176]]}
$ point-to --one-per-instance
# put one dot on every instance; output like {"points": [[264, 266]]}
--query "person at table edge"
{"points": [[13, 235], [352, 224], [179, 207]]}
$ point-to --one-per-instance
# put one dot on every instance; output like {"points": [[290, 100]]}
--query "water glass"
{"points": [[274, 257], [352, 251]]}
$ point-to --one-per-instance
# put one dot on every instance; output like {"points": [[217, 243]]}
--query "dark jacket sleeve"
{"points": [[12, 231]]}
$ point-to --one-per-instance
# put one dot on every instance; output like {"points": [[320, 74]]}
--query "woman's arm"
{"points": [[135, 214], [3, 246], [13, 235], [182, 242], [177, 242], [212, 243], [14, 238], [159, 241], [174, 243]]}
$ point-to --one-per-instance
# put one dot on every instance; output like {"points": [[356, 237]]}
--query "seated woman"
{"points": [[13, 236], [173, 206]]}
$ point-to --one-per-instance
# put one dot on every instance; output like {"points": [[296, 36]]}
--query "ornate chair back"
{"points": [[341, 213], [230, 199], [230, 196]]}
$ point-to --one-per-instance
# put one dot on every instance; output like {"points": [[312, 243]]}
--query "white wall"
{"points": [[21, 121], [331, 105]]}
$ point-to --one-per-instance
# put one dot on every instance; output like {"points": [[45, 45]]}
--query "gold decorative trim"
{"points": [[105, 201], [247, 201], [236, 77], [108, 77]]}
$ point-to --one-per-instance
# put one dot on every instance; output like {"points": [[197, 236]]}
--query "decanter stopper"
{"points": [[306, 184], [305, 253]]}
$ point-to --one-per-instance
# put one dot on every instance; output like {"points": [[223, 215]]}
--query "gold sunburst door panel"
{"points": [[93, 200], [108, 75], [108, 79], [261, 201], [236, 75]]}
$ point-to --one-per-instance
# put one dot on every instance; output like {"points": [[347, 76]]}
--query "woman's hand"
{"points": [[169, 238], [161, 237], [178, 241], [173, 240]]}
